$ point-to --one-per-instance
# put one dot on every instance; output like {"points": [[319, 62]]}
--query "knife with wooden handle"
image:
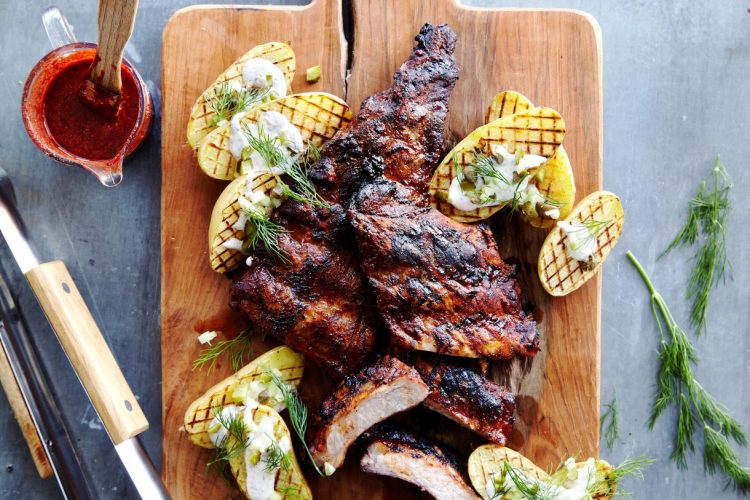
{"points": [[85, 347]]}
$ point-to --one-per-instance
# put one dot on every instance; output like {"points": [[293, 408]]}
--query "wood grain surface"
{"points": [[551, 56], [87, 350], [23, 417]]}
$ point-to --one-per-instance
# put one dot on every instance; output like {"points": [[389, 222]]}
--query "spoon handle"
{"points": [[116, 19]]}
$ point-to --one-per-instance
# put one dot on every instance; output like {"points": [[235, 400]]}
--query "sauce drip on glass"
{"points": [[78, 129]]}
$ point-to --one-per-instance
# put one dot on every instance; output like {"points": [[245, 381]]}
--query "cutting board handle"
{"points": [[87, 350]]}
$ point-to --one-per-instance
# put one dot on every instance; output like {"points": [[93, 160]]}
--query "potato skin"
{"points": [[202, 116], [199, 414]]}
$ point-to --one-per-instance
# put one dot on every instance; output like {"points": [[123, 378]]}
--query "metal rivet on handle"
{"points": [[65, 287], [128, 406]]}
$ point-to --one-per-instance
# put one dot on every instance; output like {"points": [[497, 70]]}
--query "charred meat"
{"points": [[317, 302], [398, 453], [440, 285], [361, 401], [470, 399]]}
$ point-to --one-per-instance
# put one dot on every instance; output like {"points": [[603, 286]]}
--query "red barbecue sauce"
{"points": [[77, 128]]}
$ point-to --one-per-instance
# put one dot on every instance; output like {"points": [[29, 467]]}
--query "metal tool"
{"points": [[85, 347], [30, 379]]}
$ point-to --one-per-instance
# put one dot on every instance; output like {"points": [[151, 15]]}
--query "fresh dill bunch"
{"points": [[233, 444], [707, 220], [609, 417], [697, 409], [297, 414], [227, 101], [239, 348], [261, 230], [276, 458]]}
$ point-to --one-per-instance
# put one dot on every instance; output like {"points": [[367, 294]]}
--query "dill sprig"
{"points": [[609, 417], [261, 230], [297, 414], [707, 218], [697, 409], [296, 168], [529, 488], [609, 486], [276, 458], [227, 101], [233, 444], [486, 166], [239, 348]]}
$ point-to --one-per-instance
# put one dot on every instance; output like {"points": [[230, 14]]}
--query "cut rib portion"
{"points": [[470, 399], [398, 453], [361, 401], [440, 285], [317, 303]]}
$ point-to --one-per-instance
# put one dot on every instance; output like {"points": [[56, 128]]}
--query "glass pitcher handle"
{"points": [[59, 31]]}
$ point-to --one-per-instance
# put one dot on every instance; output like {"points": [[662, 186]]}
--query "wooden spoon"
{"points": [[101, 92]]}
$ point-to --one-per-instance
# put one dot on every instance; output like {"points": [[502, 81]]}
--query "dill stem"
{"points": [[643, 274]]}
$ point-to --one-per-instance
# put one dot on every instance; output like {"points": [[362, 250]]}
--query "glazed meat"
{"points": [[398, 453], [470, 399], [317, 302], [440, 285], [361, 401]]}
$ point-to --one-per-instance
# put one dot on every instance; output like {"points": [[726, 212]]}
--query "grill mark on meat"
{"points": [[361, 400], [397, 452], [318, 303], [470, 399]]}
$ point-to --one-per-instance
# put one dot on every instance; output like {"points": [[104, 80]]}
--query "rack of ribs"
{"points": [[317, 303]]}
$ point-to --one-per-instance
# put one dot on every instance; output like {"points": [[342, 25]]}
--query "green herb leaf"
{"points": [[297, 414], [227, 101], [676, 384], [609, 419], [632, 467], [239, 348], [261, 230], [232, 445], [707, 222], [276, 458]]}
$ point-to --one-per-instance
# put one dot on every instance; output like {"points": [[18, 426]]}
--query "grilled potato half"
{"points": [[537, 131], [601, 214], [488, 475], [317, 115], [225, 215], [289, 481], [202, 116], [554, 178], [198, 416]]}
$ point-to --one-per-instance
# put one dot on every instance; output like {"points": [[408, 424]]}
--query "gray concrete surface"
{"points": [[675, 93]]}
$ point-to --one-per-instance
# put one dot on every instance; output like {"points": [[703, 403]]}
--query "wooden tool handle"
{"points": [[116, 19], [87, 350], [23, 417]]}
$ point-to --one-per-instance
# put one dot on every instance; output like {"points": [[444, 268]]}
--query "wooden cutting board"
{"points": [[551, 56]]}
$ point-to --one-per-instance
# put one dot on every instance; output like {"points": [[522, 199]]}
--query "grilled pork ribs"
{"points": [[317, 303]]}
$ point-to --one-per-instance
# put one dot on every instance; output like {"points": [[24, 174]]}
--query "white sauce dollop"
{"points": [[496, 191], [580, 243], [263, 74], [237, 139], [260, 482]]}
